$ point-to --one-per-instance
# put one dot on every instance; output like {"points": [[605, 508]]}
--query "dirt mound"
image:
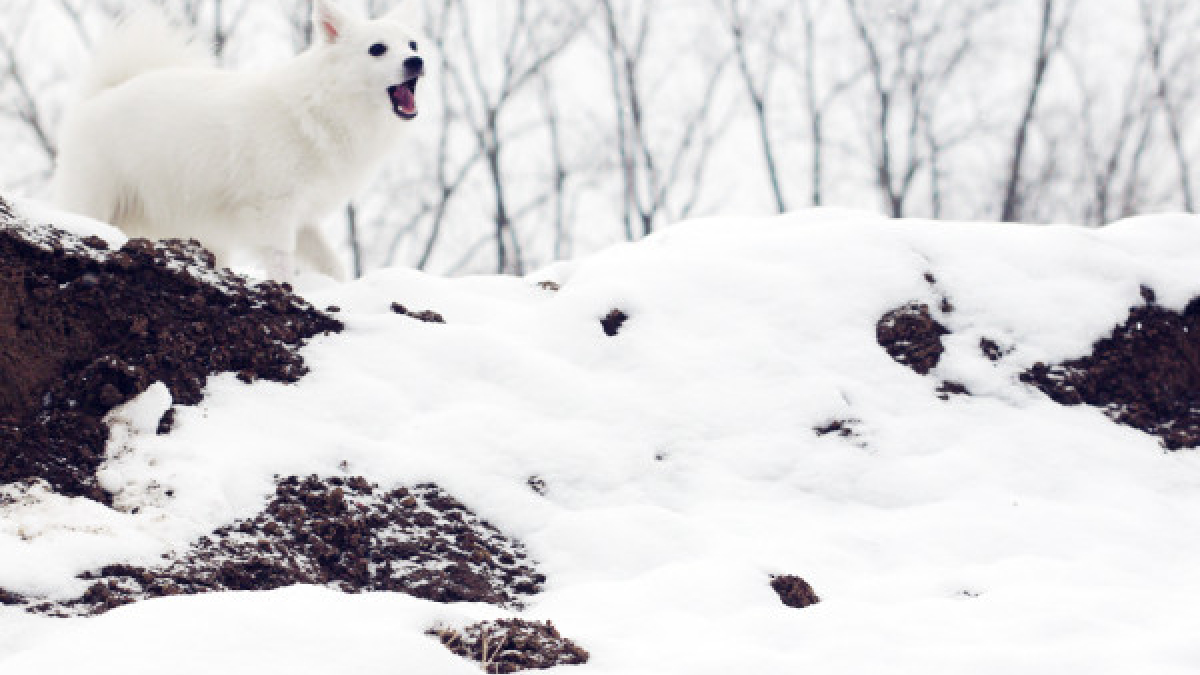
{"points": [[912, 337], [1145, 374], [794, 591], [512, 645], [84, 329], [340, 532]]}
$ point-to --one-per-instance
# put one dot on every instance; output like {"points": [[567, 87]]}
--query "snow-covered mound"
{"points": [[742, 421]]}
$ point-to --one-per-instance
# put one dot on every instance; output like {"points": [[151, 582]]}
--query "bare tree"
{"points": [[21, 102], [1055, 18], [557, 188], [78, 11], [817, 101], [535, 36], [913, 50], [1164, 23], [759, 80], [449, 171], [220, 19], [1111, 147], [653, 172]]}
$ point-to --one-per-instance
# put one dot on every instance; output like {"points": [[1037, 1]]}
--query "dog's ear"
{"points": [[329, 20]]}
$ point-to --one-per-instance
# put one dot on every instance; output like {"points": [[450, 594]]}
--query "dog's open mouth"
{"points": [[404, 98]]}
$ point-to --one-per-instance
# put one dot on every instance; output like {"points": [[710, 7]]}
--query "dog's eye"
{"points": [[412, 46], [378, 49]]}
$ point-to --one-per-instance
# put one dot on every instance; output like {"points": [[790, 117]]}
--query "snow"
{"points": [[41, 215], [996, 533]]}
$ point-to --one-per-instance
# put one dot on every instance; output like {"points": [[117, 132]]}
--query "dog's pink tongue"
{"points": [[405, 100]]}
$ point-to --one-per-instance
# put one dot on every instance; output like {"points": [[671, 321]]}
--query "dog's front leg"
{"points": [[281, 265], [312, 248]]}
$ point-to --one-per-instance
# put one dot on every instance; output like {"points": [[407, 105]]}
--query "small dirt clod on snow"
{"points": [[512, 645], [612, 322], [794, 591], [425, 315]]}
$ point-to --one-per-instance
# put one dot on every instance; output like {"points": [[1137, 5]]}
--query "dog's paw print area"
{"points": [[344, 533], [1144, 374], [511, 645], [794, 591]]}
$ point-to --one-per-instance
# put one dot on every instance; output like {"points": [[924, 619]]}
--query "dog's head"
{"points": [[380, 57]]}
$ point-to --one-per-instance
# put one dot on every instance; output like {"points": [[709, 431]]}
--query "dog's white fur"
{"points": [[164, 144]]}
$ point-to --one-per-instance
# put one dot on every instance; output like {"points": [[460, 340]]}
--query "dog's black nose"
{"points": [[414, 64]]}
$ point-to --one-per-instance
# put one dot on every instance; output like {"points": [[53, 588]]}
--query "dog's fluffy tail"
{"points": [[143, 41]]}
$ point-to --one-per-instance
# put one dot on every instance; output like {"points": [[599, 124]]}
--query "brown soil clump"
{"points": [[344, 533], [794, 591], [512, 645], [1145, 374], [84, 329], [912, 337], [992, 350], [613, 321], [847, 428], [951, 388], [425, 315]]}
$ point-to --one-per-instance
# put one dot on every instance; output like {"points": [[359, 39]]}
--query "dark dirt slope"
{"points": [[84, 329], [342, 532], [1145, 373]]}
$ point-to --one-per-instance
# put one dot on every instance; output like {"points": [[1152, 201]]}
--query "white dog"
{"points": [[164, 144]]}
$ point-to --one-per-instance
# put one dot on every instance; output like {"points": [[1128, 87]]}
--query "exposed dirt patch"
{"points": [[992, 350], [425, 315], [944, 303], [613, 321], [512, 645], [1145, 374], [84, 329], [340, 532], [951, 388], [538, 485], [794, 591], [7, 598], [845, 428], [912, 337]]}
